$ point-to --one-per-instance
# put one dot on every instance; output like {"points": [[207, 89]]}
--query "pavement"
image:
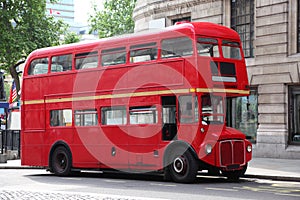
{"points": [[261, 168]]}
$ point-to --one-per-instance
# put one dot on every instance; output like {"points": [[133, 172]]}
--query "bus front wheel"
{"points": [[183, 167], [61, 161]]}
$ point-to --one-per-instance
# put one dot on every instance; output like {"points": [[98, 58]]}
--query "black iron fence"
{"points": [[9, 140]]}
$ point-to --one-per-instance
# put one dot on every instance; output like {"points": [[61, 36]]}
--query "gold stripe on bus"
{"points": [[114, 96], [220, 90], [136, 94], [30, 102]]}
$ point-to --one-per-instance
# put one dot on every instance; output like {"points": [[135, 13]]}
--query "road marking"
{"points": [[114, 181], [293, 195], [284, 191], [160, 184], [223, 189], [70, 178]]}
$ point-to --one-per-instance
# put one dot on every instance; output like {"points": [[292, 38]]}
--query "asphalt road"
{"points": [[39, 184]]}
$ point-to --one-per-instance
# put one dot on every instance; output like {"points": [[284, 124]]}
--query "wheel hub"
{"points": [[178, 165]]}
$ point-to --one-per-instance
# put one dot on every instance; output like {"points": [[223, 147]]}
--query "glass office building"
{"points": [[63, 9]]}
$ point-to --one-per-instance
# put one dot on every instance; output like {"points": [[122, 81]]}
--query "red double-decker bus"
{"points": [[144, 102]]}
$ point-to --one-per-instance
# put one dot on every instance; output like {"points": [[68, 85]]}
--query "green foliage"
{"points": [[7, 87], [71, 37], [114, 19], [24, 27]]}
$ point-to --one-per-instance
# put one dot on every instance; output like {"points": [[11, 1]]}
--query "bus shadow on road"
{"points": [[201, 178]]}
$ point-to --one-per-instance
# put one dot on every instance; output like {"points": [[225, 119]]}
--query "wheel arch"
{"points": [[178, 144]]}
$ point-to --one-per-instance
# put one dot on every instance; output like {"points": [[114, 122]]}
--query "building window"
{"points": [[183, 19], [242, 114], [242, 21], [294, 114]]}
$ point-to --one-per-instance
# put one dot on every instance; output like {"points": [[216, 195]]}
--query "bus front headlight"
{"points": [[249, 148], [208, 149]]}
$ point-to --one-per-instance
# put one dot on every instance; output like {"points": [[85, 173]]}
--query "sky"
{"points": [[83, 9]]}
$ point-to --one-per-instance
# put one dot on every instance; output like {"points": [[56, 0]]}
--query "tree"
{"points": [[71, 37], [24, 27], [114, 19]]}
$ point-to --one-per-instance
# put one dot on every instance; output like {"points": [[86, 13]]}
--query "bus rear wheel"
{"points": [[61, 161], [183, 167]]}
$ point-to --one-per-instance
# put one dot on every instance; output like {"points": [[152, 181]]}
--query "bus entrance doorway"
{"points": [[169, 129]]}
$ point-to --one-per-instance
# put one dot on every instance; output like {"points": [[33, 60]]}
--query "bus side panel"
{"points": [[33, 123], [166, 74], [32, 148], [95, 147], [143, 146], [60, 84], [115, 146]]}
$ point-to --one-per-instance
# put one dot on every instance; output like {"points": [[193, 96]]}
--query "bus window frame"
{"points": [[70, 125], [58, 55], [82, 114], [153, 46], [137, 110], [83, 55], [211, 113], [103, 114], [109, 51], [194, 115], [175, 55], [209, 40], [233, 45], [32, 69]]}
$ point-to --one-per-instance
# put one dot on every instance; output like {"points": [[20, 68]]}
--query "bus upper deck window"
{"points": [[176, 47], [61, 63], [208, 47], [143, 52], [86, 60], [38, 66], [113, 56], [231, 50]]}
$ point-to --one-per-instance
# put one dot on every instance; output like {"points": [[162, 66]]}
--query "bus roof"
{"points": [[186, 28]]}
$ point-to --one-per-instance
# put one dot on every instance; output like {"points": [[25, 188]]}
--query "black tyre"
{"points": [[235, 175], [183, 167], [61, 161]]}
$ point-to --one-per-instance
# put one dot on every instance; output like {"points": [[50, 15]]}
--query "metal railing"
{"points": [[9, 140]]}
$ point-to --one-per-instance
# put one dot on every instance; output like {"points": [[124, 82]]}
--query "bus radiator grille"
{"points": [[232, 152]]}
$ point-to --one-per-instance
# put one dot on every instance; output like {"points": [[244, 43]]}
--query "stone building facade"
{"points": [[270, 31]]}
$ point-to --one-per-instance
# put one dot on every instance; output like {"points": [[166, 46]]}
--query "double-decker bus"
{"points": [[144, 102]]}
